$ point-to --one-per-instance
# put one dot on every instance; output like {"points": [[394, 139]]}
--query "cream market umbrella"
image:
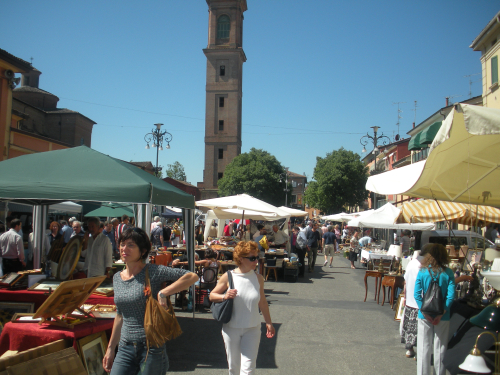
{"points": [[293, 212], [426, 210], [463, 163]]}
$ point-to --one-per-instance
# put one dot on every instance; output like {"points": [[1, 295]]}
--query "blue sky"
{"points": [[318, 74]]}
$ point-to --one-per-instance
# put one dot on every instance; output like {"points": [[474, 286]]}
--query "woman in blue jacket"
{"points": [[433, 330]]}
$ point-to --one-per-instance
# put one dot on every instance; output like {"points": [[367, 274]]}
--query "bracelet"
{"points": [[224, 297]]}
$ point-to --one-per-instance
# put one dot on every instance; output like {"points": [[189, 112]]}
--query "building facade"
{"points": [[225, 58], [488, 43], [298, 184]]}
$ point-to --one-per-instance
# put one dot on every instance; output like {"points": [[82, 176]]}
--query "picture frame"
{"points": [[9, 278], [45, 285], [24, 318], [9, 309], [92, 349], [473, 257], [400, 308]]}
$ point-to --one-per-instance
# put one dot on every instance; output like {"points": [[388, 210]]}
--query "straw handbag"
{"points": [[160, 324]]}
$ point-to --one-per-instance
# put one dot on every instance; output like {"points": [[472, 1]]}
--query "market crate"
{"points": [[291, 273]]}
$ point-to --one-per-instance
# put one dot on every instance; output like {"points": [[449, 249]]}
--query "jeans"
{"points": [[131, 359], [311, 258]]}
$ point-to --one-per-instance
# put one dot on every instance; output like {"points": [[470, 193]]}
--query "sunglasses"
{"points": [[252, 259]]}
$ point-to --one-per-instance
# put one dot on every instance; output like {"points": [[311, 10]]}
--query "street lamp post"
{"points": [[376, 151], [375, 139], [157, 137], [284, 176]]}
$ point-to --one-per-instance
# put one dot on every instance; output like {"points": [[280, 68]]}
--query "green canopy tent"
{"points": [[111, 210], [82, 174]]}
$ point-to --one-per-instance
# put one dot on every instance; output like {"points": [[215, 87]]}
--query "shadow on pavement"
{"points": [[201, 346]]}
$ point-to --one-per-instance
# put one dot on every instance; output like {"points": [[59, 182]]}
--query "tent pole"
{"points": [[189, 236]]}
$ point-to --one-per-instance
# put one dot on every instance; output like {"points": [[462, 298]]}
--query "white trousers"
{"points": [[431, 339], [242, 346]]}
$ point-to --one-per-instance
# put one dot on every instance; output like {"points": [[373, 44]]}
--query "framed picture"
{"points": [[473, 257], [92, 349], [400, 308], [9, 309], [10, 278], [45, 285]]}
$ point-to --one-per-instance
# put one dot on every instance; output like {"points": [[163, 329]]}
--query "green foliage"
{"points": [[256, 173], [339, 182], [176, 171]]}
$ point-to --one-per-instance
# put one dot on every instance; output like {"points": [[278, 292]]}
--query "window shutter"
{"points": [[494, 70]]}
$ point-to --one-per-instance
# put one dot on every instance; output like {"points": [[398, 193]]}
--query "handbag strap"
{"points": [[433, 278], [147, 284], [230, 279]]}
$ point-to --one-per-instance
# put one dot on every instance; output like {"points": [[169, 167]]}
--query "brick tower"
{"points": [[225, 58]]}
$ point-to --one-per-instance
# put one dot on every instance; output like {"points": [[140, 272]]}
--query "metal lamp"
{"points": [[475, 362]]}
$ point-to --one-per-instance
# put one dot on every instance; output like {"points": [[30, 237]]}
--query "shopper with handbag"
{"points": [[135, 288], [242, 333], [434, 293]]}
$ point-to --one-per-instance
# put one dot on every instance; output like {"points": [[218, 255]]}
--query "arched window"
{"points": [[223, 27]]}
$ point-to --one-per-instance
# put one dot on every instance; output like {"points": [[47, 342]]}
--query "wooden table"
{"points": [[391, 281], [227, 265], [377, 275]]}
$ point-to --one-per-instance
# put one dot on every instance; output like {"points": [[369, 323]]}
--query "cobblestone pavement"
{"points": [[322, 324]]}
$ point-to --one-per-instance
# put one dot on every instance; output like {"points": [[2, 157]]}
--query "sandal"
{"points": [[353, 267], [410, 354]]}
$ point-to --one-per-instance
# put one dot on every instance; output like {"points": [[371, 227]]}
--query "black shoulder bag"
{"points": [[433, 303], [222, 311]]}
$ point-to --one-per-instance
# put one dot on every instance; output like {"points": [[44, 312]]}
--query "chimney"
{"points": [[413, 125], [447, 101]]}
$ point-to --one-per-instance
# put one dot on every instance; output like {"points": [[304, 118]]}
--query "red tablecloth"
{"points": [[24, 336], [38, 297]]}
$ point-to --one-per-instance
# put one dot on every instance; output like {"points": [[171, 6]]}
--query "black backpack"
{"points": [[433, 303]]}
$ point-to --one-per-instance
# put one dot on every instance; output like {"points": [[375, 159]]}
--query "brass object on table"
{"points": [[381, 266]]}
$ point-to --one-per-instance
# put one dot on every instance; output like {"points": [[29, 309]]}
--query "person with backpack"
{"points": [[434, 292], [157, 239], [300, 248]]}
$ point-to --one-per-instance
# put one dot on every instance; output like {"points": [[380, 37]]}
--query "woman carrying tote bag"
{"points": [[242, 333], [433, 328], [134, 356]]}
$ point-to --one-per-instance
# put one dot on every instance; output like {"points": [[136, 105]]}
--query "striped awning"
{"points": [[426, 210]]}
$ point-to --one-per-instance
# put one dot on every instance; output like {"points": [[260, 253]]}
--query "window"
{"points": [[294, 184], [221, 153], [222, 70], [82, 141], [221, 125], [219, 175], [294, 199], [223, 27], [494, 70], [221, 101]]}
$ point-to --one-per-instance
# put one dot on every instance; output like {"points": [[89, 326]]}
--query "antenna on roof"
{"points": [[470, 83], [399, 115], [415, 110], [31, 58]]}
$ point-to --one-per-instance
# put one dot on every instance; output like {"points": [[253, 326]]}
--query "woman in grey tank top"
{"points": [[133, 355]]}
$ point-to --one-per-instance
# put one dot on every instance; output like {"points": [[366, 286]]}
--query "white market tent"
{"points": [[223, 215], [343, 216], [238, 206], [62, 207], [293, 212], [384, 217]]}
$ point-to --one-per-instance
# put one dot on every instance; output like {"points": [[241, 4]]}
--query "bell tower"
{"points": [[225, 58]]}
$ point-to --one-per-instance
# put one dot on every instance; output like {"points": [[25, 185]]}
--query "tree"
{"points": [[176, 171], [256, 173], [338, 182]]}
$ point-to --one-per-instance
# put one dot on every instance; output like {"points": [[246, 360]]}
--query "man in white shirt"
{"points": [[280, 238], [99, 257], [12, 247]]}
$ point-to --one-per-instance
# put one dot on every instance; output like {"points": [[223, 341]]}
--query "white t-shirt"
{"points": [[412, 270]]}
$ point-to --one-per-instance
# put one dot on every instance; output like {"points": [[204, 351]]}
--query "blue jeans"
{"points": [[131, 359]]}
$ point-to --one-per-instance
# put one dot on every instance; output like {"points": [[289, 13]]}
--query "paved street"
{"points": [[322, 325]]}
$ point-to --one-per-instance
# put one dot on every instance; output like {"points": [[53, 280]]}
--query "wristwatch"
{"points": [[162, 295]]}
